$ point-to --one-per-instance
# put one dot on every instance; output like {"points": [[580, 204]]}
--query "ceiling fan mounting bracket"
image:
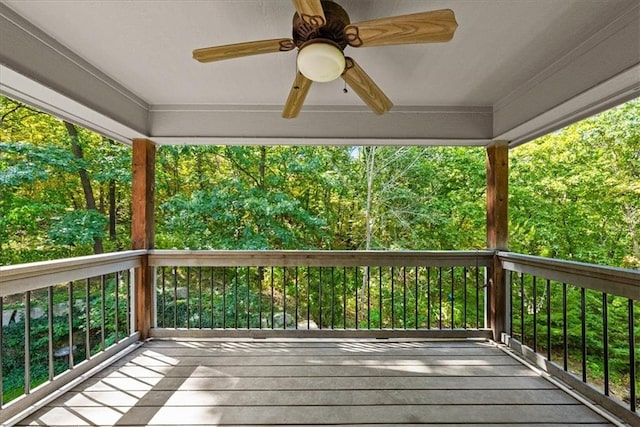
{"points": [[336, 20]]}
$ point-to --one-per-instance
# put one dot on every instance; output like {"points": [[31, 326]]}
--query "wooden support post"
{"points": [[142, 229], [497, 231]]}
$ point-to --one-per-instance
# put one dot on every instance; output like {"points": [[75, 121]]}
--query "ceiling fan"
{"points": [[321, 32]]}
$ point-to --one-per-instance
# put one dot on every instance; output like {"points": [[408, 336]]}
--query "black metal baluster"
{"points": [[320, 297], [464, 298], [70, 323], [510, 304], [535, 314], [27, 342], [308, 297], [272, 279], [344, 297], [175, 297], [117, 308], [284, 298], [368, 297], [393, 310], [428, 297], [103, 297], [565, 342], [632, 359], [522, 338], [333, 297], [50, 336], [199, 297], [440, 295], [548, 319], [380, 294], [478, 299], [297, 299], [249, 297], [453, 297], [164, 299], [224, 298], [260, 279], [188, 298], [235, 298], [357, 285], [87, 324], [211, 283], [583, 320], [605, 341], [417, 299], [129, 310], [404, 297]]}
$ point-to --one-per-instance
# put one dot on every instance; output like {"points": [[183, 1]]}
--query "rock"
{"points": [[37, 312], [310, 325], [181, 293], [64, 351], [279, 319], [60, 309], [10, 316]]}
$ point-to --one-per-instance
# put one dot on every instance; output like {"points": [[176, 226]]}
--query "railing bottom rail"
{"points": [[611, 405], [458, 334]]}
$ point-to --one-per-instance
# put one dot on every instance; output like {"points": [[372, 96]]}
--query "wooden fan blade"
{"points": [[311, 12], [426, 27], [366, 88], [296, 97], [230, 51]]}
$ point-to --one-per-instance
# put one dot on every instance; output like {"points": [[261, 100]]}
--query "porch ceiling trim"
{"points": [[98, 101], [325, 125], [602, 71], [322, 141], [599, 73]]}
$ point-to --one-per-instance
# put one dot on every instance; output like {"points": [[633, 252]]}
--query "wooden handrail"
{"points": [[293, 258], [24, 277], [27, 277], [611, 280]]}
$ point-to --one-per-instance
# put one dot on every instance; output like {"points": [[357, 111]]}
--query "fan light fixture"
{"points": [[321, 62]]}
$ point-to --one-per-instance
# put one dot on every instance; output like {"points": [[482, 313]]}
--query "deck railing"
{"points": [[58, 320], [581, 322], [328, 291], [62, 318]]}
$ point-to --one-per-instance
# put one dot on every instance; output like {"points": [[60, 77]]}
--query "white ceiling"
{"points": [[502, 51]]}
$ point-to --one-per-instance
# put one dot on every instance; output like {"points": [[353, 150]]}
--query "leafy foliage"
{"points": [[574, 194]]}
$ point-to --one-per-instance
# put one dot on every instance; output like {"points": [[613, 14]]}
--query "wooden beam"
{"points": [[142, 194], [497, 231], [497, 195], [142, 229]]}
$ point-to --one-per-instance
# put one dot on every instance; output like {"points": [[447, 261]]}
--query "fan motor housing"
{"points": [[336, 19]]}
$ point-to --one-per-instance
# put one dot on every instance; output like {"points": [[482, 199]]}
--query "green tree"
{"points": [[575, 194]]}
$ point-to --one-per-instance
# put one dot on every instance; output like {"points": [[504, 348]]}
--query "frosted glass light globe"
{"points": [[321, 62]]}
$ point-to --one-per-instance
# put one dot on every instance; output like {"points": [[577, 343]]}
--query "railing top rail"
{"points": [[612, 280], [25, 277], [303, 258]]}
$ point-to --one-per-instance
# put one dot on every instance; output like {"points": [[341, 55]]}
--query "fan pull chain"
{"points": [[345, 88]]}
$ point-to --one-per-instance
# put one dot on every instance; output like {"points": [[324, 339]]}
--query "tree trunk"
{"points": [[263, 167], [84, 180], [370, 160], [112, 209]]}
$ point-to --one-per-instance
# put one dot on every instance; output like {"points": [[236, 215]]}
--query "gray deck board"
{"points": [[316, 382]]}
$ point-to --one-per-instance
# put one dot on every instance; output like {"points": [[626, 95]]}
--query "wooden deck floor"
{"points": [[316, 382]]}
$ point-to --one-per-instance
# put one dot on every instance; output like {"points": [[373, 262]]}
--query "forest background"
{"points": [[573, 194]]}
